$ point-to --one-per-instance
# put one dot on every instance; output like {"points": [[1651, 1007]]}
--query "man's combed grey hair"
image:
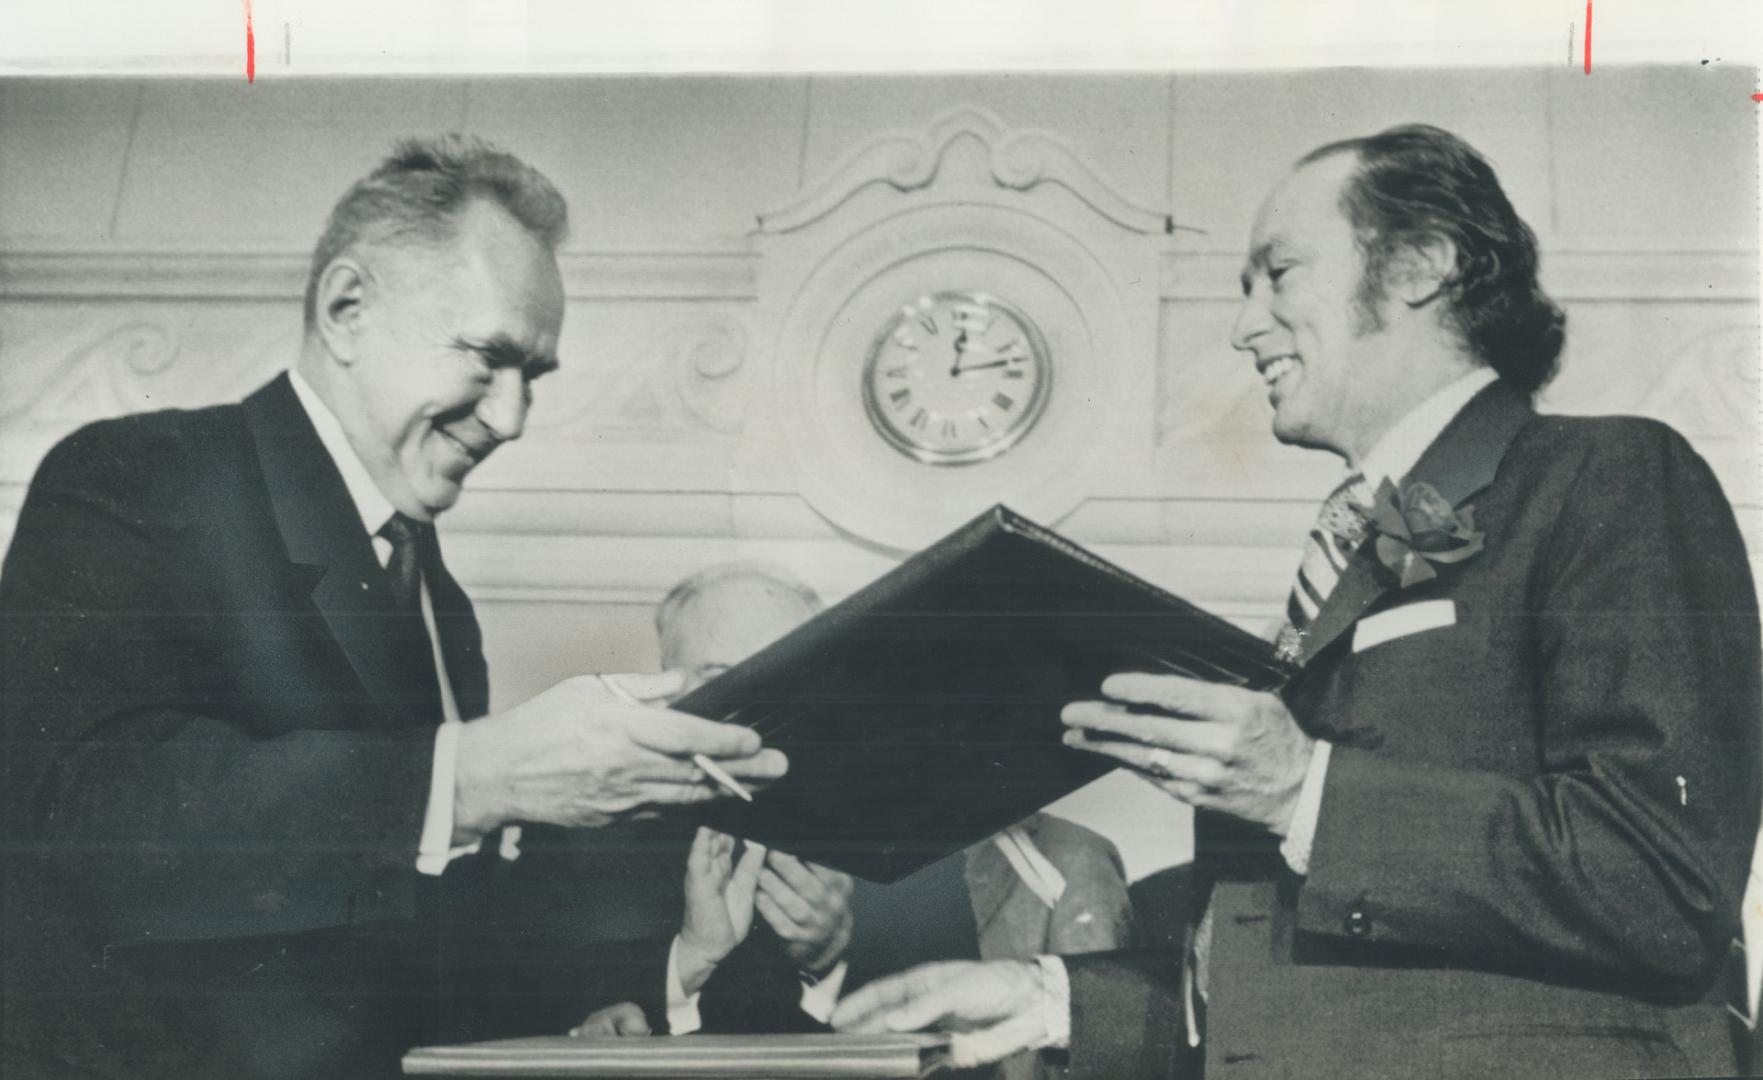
{"points": [[415, 196], [767, 575]]}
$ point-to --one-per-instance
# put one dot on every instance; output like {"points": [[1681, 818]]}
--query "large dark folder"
{"points": [[921, 714]]}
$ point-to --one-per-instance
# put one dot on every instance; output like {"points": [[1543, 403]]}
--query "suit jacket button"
{"points": [[1358, 923]]}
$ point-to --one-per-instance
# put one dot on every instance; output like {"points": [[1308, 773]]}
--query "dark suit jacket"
{"points": [[216, 767], [1537, 821]]}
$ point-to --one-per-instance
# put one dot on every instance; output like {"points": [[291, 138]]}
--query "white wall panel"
{"points": [[62, 150], [646, 163], [1236, 134], [222, 164]]}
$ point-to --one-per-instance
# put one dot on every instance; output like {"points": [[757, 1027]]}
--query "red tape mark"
{"points": [[250, 47], [1588, 37]]}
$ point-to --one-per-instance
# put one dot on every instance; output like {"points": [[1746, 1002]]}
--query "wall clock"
{"points": [[956, 377], [931, 360]]}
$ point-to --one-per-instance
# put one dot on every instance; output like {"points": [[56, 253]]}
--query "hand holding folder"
{"points": [[922, 714]]}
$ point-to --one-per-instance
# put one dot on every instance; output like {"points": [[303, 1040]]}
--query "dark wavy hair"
{"points": [[415, 196], [1415, 181]]}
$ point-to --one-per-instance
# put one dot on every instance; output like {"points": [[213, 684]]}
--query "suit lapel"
{"points": [[324, 538], [1459, 463]]}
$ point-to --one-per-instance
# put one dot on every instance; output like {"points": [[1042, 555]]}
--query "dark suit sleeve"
{"points": [[168, 818], [756, 989], [1127, 1017], [1622, 860], [514, 984]]}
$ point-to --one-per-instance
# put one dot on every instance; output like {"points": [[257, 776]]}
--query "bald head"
{"points": [[718, 617]]}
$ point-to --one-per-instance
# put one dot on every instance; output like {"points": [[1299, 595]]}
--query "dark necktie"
{"points": [[410, 650], [404, 570]]}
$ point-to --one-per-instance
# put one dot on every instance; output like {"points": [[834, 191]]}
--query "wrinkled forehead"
{"points": [[489, 255]]}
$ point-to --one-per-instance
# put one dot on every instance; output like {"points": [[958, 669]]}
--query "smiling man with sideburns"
{"points": [[1498, 823]]}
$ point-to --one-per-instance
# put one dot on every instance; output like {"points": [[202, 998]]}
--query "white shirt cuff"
{"points": [[1055, 1003], [433, 849], [1301, 834], [818, 998], [682, 1008]]}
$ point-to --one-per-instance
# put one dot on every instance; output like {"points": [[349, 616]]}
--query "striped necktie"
{"points": [[1339, 530]]}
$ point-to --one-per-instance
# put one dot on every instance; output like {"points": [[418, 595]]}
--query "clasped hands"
{"points": [[808, 906]]}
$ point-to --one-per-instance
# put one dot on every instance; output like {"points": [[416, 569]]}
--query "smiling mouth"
{"points": [[474, 453], [1272, 371]]}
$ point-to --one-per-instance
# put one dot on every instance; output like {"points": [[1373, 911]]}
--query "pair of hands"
{"points": [[808, 906], [586, 754]]}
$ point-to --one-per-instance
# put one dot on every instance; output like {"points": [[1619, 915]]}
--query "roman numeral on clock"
{"points": [[1003, 401], [901, 398], [919, 419]]}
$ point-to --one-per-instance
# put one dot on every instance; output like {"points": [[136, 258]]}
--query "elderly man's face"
{"points": [[726, 623], [451, 342], [1300, 315]]}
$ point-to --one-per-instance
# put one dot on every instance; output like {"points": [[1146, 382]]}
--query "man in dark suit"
{"points": [[1499, 822], [255, 814]]}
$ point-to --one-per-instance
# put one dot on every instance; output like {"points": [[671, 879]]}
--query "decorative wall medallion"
{"points": [[955, 319]]}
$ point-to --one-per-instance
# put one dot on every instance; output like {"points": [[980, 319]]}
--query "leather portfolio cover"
{"points": [[731, 1056], [921, 714]]}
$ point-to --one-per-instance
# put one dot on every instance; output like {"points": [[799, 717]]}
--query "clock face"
{"points": [[956, 377]]}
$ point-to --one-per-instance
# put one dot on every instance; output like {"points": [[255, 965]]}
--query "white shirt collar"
{"points": [[1401, 446], [373, 506]]}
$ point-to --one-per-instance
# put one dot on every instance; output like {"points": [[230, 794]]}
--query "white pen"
{"points": [[711, 769]]}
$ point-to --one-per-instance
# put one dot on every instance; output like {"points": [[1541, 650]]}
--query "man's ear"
{"points": [[339, 310], [1422, 269]]}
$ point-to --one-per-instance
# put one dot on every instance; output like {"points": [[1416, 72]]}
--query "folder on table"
{"points": [[921, 714], [687, 1056]]}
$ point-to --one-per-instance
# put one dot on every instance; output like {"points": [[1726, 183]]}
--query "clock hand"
{"points": [[982, 367], [960, 348]]}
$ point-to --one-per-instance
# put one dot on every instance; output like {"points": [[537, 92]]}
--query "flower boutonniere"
{"points": [[1417, 530]]}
